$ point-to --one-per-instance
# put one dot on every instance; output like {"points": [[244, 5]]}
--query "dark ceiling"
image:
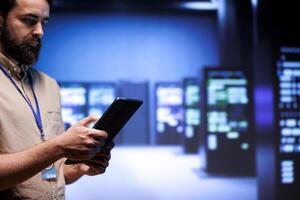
{"points": [[122, 1], [90, 5]]}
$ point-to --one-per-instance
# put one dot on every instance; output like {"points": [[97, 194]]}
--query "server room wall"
{"points": [[109, 47]]}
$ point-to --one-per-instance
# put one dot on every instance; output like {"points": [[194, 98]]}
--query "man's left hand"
{"points": [[97, 165]]}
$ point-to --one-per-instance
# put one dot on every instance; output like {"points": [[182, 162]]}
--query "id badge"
{"points": [[49, 174]]}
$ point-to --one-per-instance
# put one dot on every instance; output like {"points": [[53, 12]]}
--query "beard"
{"points": [[25, 52]]}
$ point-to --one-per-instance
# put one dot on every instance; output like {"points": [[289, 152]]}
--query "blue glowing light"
{"points": [[194, 5]]}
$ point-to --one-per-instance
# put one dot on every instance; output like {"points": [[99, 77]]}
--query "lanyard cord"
{"points": [[37, 114]]}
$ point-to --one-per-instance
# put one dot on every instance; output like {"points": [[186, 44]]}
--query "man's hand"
{"points": [[95, 166], [80, 142], [99, 163]]}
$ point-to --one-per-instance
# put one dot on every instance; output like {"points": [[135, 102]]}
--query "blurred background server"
{"points": [[73, 102], [136, 131], [100, 96], [276, 43], [228, 128], [169, 113], [192, 115], [288, 118]]}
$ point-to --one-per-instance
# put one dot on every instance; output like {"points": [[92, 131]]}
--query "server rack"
{"points": [[169, 112], [229, 135], [192, 115]]}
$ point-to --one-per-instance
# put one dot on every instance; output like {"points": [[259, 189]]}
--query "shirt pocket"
{"points": [[54, 124]]}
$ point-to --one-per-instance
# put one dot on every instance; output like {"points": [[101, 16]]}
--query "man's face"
{"points": [[22, 30]]}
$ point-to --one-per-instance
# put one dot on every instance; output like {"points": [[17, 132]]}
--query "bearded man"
{"points": [[33, 142]]}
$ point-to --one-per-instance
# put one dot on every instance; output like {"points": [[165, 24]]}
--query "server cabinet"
{"points": [[136, 131], [228, 122], [169, 112], [192, 115]]}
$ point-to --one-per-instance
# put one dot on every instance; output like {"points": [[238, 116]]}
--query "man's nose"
{"points": [[38, 30]]}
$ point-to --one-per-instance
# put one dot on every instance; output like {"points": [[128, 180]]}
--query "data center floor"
{"points": [[159, 173]]}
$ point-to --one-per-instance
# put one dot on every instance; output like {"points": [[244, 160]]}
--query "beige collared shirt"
{"points": [[19, 131]]}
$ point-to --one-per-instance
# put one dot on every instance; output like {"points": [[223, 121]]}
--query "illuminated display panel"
{"points": [[169, 113], [79, 100], [229, 141], [192, 115], [288, 122], [100, 96], [73, 102]]}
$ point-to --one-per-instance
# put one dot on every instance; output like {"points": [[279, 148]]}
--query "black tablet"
{"points": [[117, 115], [114, 118]]}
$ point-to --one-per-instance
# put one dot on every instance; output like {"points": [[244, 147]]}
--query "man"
{"points": [[33, 144]]}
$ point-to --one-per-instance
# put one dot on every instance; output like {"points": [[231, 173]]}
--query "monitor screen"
{"points": [[73, 102], [169, 95], [100, 96], [73, 94], [73, 114]]}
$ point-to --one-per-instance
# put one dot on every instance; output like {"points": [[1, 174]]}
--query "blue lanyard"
{"points": [[37, 114]]}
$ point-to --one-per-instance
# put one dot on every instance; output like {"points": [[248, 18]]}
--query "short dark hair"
{"points": [[7, 5]]}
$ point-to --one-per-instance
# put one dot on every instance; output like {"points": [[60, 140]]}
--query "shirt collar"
{"points": [[15, 70]]}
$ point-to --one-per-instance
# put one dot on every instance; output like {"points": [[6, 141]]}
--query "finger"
{"points": [[94, 164], [86, 121], [105, 150], [96, 134], [96, 144], [100, 162], [92, 170], [100, 156], [95, 169], [97, 150]]}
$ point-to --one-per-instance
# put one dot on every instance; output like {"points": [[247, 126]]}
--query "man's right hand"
{"points": [[80, 142]]}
